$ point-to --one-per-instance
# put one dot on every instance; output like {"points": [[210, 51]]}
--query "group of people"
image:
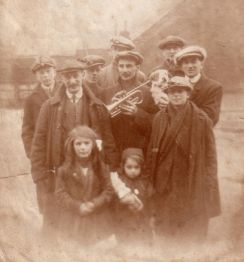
{"points": [[114, 151]]}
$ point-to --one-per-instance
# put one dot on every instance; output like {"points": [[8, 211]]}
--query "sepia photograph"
{"points": [[122, 130]]}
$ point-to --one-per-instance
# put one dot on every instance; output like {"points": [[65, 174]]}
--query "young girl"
{"points": [[83, 188], [182, 163], [132, 227]]}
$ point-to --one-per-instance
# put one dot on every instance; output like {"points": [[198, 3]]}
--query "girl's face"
{"points": [[132, 168], [83, 147]]}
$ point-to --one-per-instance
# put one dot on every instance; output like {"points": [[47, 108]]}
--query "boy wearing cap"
{"points": [[109, 74], [44, 69], [182, 164], [207, 93], [130, 126]]}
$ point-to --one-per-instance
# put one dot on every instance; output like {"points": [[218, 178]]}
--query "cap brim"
{"points": [[201, 57], [180, 86], [94, 65], [34, 69]]}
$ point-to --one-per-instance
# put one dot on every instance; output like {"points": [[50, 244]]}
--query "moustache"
{"points": [[126, 74]]}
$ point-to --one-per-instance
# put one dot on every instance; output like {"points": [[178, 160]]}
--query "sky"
{"points": [[62, 26]]}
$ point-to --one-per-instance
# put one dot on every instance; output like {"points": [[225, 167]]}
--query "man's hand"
{"points": [[132, 201], [86, 208], [128, 108], [163, 101]]}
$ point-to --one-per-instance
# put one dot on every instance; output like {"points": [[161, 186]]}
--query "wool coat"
{"points": [[32, 108], [182, 165]]}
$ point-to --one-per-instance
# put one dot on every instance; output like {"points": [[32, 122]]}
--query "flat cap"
{"points": [[134, 55], [179, 81], [91, 61], [171, 39], [121, 41], [70, 66], [42, 61], [192, 50]]}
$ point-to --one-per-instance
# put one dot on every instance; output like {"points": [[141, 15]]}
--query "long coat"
{"points": [[131, 131], [74, 188], [109, 76], [48, 143], [182, 164], [207, 95], [32, 108]]}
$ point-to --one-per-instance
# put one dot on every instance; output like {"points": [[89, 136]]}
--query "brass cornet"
{"points": [[134, 96]]}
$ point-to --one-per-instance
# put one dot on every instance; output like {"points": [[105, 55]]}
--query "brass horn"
{"points": [[134, 96]]}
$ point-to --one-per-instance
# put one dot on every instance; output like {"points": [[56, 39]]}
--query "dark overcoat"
{"points": [[32, 108], [74, 188], [48, 143], [207, 95], [182, 164]]}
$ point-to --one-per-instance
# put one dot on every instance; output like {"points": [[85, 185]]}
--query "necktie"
{"points": [[73, 98]]}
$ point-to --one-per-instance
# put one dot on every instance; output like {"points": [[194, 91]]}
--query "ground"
{"points": [[21, 222]]}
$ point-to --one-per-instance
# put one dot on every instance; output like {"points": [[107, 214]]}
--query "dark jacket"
{"points": [[48, 143], [32, 108], [207, 95], [109, 76], [182, 163], [73, 188], [131, 131]]}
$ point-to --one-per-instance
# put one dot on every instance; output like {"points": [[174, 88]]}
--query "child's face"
{"points": [[83, 147], [132, 168], [178, 95]]}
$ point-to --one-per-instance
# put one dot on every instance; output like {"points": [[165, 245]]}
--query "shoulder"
{"points": [[141, 76], [211, 83], [202, 116], [34, 94]]}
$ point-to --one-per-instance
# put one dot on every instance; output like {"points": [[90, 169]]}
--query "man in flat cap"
{"points": [[168, 46], [73, 104], [92, 66], [129, 127], [44, 69], [109, 75], [207, 93]]}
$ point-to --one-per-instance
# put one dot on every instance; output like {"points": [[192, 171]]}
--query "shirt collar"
{"points": [[48, 89], [194, 79], [78, 95]]}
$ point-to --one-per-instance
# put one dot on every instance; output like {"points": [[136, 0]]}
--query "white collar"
{"points": [[48, 88], [194, 79], [78, 95]]}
